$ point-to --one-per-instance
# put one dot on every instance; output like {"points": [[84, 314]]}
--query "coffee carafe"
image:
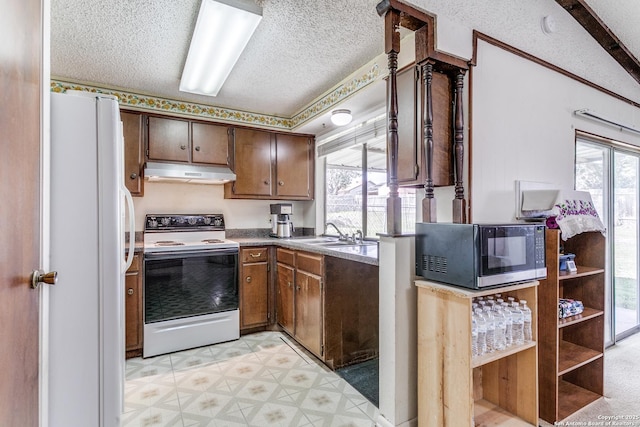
{"points": [[281, 224]]}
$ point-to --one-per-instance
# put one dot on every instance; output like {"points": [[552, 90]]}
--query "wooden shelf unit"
{"points": [[570, 350], [502, 387]]}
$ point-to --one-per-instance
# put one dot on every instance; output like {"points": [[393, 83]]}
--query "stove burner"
{"points": [[212, 241], [168, 243]]}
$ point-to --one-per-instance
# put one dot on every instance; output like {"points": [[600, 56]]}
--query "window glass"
{"points": [[357, 191]]}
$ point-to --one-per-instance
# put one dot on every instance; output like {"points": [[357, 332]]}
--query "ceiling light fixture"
{"points": [[341, 117], [222, 31]]}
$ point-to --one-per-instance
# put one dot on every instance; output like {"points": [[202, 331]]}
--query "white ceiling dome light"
{"points": [[341, 117]]}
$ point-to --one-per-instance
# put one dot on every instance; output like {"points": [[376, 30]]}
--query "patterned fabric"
{"points": [[575, 214]]}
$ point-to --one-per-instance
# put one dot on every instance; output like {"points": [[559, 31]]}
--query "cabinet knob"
{"points": [[289, 284], [280, 183], [133, 175], [130, 291], [198, 148], [183, 147], [298, 288], [248, 279], [266, 182]]}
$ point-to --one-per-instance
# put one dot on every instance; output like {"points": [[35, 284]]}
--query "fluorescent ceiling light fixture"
{"points": [[341, 117], [222, 31]]}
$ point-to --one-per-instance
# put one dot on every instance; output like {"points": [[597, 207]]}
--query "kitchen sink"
{"points": [[332, 241]]}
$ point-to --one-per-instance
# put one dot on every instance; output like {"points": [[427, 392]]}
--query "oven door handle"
{"points": [[189, 254]]}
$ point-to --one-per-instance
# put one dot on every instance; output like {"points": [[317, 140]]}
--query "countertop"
{"points": [[367, 254]]}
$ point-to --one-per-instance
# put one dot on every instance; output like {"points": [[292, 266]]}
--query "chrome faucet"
{"points": [[357, 237], [341, 235]]}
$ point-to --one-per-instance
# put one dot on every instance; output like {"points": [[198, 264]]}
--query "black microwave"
{"points": [[480, 255]]}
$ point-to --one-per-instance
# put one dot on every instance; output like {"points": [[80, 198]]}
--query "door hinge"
{"points": [[268, 268], [147, 121], [147, 152], [322, 350], [268, 316], [416, 169]]}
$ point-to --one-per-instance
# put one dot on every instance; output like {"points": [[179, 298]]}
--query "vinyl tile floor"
{"points": [[262, 379]]}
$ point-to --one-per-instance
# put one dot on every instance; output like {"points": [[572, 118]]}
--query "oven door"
{"points": [[181, 284], [190, 299]]}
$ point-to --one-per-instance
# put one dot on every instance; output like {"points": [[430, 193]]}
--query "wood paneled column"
{"points": [[429, 201]]}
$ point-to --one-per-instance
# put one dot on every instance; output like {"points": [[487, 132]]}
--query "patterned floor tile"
{"points": [[262, 379], [274, 414], [153, 417]]}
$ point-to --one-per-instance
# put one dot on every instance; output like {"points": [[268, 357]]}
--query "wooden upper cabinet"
{"points": [[209, 144], [252, 160], [132, 127], [271, 166], [168, 139], [412, 169], [294, 166]]}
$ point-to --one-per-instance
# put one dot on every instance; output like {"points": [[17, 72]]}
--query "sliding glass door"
{"points": [[611, 174]]}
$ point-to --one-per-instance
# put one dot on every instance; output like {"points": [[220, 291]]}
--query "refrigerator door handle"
{"points": [[132, 228]]}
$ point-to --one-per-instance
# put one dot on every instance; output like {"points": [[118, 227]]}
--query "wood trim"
{"points": [[607, 141], [591, 22], [480, 36]]}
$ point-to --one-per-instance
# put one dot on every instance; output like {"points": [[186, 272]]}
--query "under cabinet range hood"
{"points": [[196, 174]]}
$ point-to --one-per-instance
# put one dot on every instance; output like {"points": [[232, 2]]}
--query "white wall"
{"points": [[524, 128], [180, 198]]}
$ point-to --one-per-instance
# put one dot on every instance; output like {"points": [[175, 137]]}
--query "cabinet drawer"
{"points": [[286, 256], [135, 264], [310, 263], [250, 255]]}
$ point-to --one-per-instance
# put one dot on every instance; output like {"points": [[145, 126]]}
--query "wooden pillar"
{"points": [[392, 48], [459, 203], [429, 201]]}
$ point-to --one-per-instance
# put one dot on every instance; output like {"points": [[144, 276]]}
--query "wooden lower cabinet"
{"points": [[254, 287], [329, 305], [284, 304], [456, 389], [308, 302], [133, 309]]}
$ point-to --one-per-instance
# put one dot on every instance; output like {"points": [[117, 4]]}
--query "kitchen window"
{"points": [[356, 188]]}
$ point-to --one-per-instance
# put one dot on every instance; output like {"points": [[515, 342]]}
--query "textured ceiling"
{"points": [[300, 49], [303, 48]]}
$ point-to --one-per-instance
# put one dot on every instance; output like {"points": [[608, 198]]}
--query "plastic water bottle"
{"points": [[508, 324], [526, 317], [500, 322], [517, 328], [482, 332], [491, 328], [474, 335]]}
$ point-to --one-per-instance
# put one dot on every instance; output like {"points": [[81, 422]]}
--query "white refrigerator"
{"points": [[86, 306]]}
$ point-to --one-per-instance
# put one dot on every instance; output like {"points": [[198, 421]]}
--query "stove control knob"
{"points": [[152, 223], [217, 221], [192, 221], [207, 220], [165, 220]]}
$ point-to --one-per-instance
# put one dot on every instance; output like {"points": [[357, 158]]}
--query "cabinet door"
{"points": [[308, 311], [210, 144], [254, 289], [294, 166], [133, 152], [284, 298], [408, 126], [168, 139], [133, 306], [252, 160]]}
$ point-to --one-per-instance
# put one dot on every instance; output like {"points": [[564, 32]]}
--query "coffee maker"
{"points": [[281, 224]]}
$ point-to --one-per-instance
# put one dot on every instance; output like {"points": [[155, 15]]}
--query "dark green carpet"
{"points": [[364, 378]]}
